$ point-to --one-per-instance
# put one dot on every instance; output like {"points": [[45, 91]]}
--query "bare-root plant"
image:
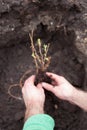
{"points": [[41, 60]]}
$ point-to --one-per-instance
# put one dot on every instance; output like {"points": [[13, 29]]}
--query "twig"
{"points": [[33, 49], [41, 55], [34, 52]]}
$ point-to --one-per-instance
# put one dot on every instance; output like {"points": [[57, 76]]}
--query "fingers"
{"points": [[48, 87], [55, 77], [52, 75], [30, 81]]}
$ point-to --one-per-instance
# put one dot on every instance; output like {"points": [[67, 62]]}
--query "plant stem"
{"points": [[41, 55], [34, 51]]}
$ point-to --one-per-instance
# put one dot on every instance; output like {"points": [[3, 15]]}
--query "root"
{"points": [[13, 96], [18, 85], [22, 78]]}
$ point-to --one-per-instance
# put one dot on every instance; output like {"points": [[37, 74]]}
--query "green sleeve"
{"points": [[39, 122]]}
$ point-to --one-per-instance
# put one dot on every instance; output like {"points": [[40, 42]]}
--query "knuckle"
{"points": [[26, 82], [62, 78]]}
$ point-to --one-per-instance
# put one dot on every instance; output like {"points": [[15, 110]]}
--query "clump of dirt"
{"points": [[42, 77]]}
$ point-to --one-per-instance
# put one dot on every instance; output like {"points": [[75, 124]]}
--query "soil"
{"points": [[42, 77], [61, 23]]}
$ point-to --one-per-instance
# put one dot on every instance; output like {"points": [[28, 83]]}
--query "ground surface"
{"points": [[64, 25]]}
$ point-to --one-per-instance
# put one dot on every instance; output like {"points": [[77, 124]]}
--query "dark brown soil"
{"points": [[68, 49], [42, 77]]}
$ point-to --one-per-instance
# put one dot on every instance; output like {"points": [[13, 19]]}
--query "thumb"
{"points": [[48, 87], [39, 86]]}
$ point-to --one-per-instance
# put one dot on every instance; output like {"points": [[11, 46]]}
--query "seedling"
{"points": [[40, 54], [41, 58]]}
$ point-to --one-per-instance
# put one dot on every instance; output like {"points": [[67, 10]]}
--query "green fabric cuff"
{"points": [[39, 122]]}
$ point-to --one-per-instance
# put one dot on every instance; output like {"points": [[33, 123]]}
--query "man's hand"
{"points": [[34, 97], [60, 87], [64, 90]]}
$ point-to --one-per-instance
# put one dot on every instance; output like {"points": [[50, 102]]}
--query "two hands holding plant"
{"points": [[34, 96]]}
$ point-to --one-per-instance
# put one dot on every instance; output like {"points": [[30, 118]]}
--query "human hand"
{"points": [[34, 97], [60, 87]]}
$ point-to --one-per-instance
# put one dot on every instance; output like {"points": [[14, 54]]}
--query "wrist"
{"points": [[33, 109], [73, 95], [79, 98]]}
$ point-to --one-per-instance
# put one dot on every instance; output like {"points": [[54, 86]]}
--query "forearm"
{"points": [[79, 98], [33, 109]]}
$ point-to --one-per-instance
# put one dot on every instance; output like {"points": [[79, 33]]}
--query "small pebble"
{"points": [[56, 106]]}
